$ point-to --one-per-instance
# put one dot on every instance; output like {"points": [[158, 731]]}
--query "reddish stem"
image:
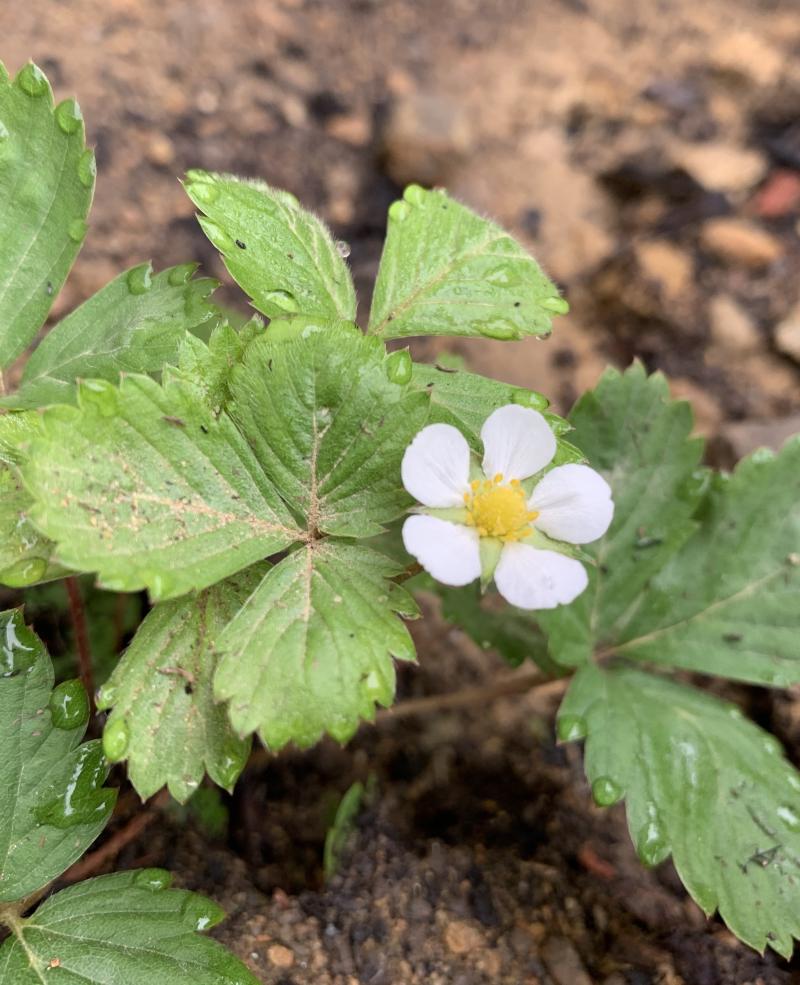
{"points": [[80, 629]]}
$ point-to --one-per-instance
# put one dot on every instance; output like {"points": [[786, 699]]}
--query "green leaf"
{"points": [[46, 185], [638, 439], [702, 784], [162, 691], [117, 930], [342, 828], [146, 486], [311, 649], [328, 426], [53, 802], [25, 555], [282, 257], [729, 602], [447, 271], [134, 324]]}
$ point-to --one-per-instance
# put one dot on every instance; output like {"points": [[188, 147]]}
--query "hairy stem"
{"points": [[80, 629]]}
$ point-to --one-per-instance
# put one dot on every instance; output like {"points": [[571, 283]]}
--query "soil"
{"points": [[649, 155]]}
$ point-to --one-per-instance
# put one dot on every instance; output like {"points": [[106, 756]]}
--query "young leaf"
{"points": [[447, 271], [311, 649], [133, 324], [162, 691], [638, 439], [46, 185], [702, 784], [328, 426], [52, 801], [282, 256], [146, 486], [120, 929]]}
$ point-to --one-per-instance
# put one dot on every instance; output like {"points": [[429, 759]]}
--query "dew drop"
{"points": [[153, 879], [651, 845], [69, 116], [503, 275], [789, 817], [32, 80], [223, 242], [182, 274], [77, 230], [17, 645], [83, 800], [398, 211], [399, 367], [69, 705], [605, 791], [343, 248], [139, 279], [498, 328], [570, 728], [87, 168], [559, 306], [282, 300], [204, 192], [116, 736], [24, 572], [99, 394], [414, 194], [106, 697], [529, 398]]}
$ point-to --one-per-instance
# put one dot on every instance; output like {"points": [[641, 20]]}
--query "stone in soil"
{"points": [[787, 335], [739, 242]]}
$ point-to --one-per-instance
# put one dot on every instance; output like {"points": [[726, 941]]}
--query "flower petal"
{"points": [[448, 551], [435, 467], [574, 504], [534, 579], [517, 442]]}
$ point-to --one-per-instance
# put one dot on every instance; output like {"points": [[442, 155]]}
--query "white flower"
{"points": [[482, 523]]}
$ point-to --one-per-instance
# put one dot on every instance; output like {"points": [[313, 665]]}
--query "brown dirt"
{"points": [[626, 145]]}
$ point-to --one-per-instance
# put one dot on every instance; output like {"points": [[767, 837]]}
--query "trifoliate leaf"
{"points": [[146, 486], [134, 324], [46, 184], [52, 801], [447, 271], [121, 929], [701, 784], [282, 256], [328, 426], [638, 439], [162, 691], [311, 649]]}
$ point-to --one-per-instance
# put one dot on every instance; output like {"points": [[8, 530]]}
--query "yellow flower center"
{"points": [[498, 509]]}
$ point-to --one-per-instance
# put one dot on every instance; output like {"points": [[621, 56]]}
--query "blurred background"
{"points": [[648, 154]]}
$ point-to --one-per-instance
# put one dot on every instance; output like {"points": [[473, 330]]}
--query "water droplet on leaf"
{"points": [[414, 194], [153, 879], [106, 697], [83, 800], [69, 116], [69, 705], [651, 845], [498, 328], [17, 645], [605, 791], [32, 80], [282, 300], [24, 572], [139, 279], [343, 249], [116, 736], [529, 398], [570, 728], [399, 367], [77, 230], [87, 168], [398, 211], [559, 306]]}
